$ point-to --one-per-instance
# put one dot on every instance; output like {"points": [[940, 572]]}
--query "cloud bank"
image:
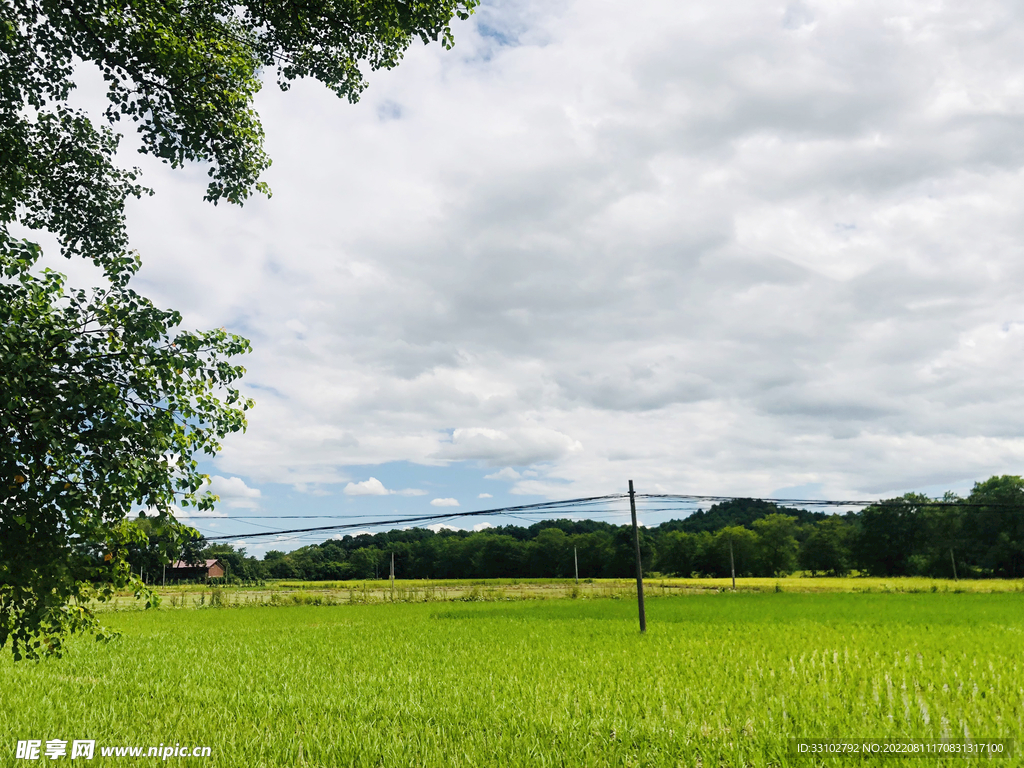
{"points": [[374, 487], [233, 493], [714, 248]]}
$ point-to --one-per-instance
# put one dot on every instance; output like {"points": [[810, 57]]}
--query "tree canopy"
{"points": [[911, 535], [103, 408], [187, 73], [104, 403]]}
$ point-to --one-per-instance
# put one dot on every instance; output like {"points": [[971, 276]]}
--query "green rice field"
{"points": [[286, 592], [720, 679]]}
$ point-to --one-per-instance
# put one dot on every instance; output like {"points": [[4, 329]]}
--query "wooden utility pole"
{"points": [[392, 577], [732, 565], [639, 571], [575, 565], [953, 559]]}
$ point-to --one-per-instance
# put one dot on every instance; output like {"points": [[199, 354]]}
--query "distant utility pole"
{"points": [[639, 571], [732, 565], [392, 576], [954, 564], [575, 565]]}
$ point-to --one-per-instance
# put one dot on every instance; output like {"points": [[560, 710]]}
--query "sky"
{"points": [[732, 248]]}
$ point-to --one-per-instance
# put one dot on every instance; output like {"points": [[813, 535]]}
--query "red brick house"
{"points": [[182, 571]]}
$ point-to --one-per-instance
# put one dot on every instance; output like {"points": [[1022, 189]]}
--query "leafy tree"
{"points": [[451, 557], [278, 565], [186, 73], [677, 553], [890, 533], [940, 539], [103, 407], [744, 551], [777, 543], [993, 524], [160, 545], [707, 562], [499, 557], [736, 512], [103, 404], [827, 548], [732, 512], [623, 556], [593, 552], [237, 565], [366, 562], [551, 554]]}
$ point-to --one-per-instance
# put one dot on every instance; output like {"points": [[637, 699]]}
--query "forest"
{"points": [[980, 536]]}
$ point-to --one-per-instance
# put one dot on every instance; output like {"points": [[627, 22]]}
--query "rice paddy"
{"points": [[720, 679], [284, 592]]}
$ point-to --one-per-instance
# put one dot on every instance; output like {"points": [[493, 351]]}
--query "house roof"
{"points": [[207, 564]]}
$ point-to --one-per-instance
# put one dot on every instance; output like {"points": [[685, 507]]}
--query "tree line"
{"points": [[980, 536]]}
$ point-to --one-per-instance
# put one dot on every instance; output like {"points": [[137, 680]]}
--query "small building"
{"points": [[182, 571]]}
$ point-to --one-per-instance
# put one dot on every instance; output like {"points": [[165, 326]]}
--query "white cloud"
{"points": [[444, 503], [725, 248], [438, 527], [188, 513], [506, 474], [374, 487], [233, 492], [525, 445], [482, 526], [547, 488], [353, 534], [371, 487], [197, 514], [485, 496]]}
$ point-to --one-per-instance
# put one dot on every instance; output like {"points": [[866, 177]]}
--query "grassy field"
{"points": [[422, 591], [719, 680]]}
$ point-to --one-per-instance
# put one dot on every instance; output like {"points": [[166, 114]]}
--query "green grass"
{"points": [[719, 680], [287, 591]]}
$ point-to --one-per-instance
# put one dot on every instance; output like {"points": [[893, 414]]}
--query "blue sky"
{"points": [[724, 248], [456, 488]]}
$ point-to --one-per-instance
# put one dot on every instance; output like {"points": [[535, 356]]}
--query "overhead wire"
{"points": [[545, 505], [684, 502]]}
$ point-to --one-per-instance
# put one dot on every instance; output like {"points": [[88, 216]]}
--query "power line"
{"points": [[778, 502], [544, 505], [589, 501], [830, 502]]}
